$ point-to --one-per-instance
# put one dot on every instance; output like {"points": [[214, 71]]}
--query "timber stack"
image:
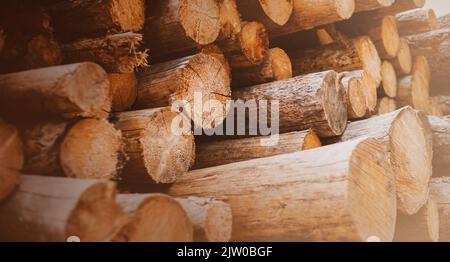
{"points": [[182, 121]]}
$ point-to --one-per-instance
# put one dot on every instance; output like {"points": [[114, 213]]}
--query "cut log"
{"points": [[200, 77], [216, 153], [157, 153], [74, 19], [123, 91], [324, 37], [435, 45], [273, 12], [444, 21], [417, 21], [215, 51], [421, 227], [69, 91], [176, 26], [53, 209], [398, 7], [212, 219], [441, 145], [389, 79], [249, 48], [386, 105], [115, 53], [439, 106], [440, 190], [336, 183], [308, 14], [314, 101], [230, 19], [367, 5], [362, 55], [11, 159], [355, 94], [403, 62], [414, 90], [153, 218], [276, 66], [408, 138], [370, 90]]}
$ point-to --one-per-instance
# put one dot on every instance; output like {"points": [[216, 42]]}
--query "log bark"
{"points": [[434, 45], [230, 19], [78, 19], [272, 12], [368, 5], [69, 91], [216, 153], [323, 183], [176, 26], [276, 66], [184, 79], [403, 62], [421, 227], [314, 101], [123, 91], [389, 79], [444, 21], [398, 7], [414, 90], [441, 145], [153, 218], [407, 136], [212, 219], [440, 190], [439, 106], [54, 209], [417, 21], [11, 159], [361, 55], [120, 53], [88, 149], [355, 94], [157, 154], [386, 105]]}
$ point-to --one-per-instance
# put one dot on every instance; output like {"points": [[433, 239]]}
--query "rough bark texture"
{"points": [[404, 61], [355, 94], [414, 90], [440, 190], [120, 53], [441, 145], [123, 91], [434, 45], [11, 159], [367, 5], [439, 106], [271, 12], [325, 182], [314, 101], [212, 219], [153, 218], [157, 154], [397, 7], [407, 137], [53, 209], [69, 91], [389, 80], [444, 21], [216, 153], [417, 21]]}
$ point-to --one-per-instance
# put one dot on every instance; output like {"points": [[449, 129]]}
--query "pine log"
{"points": [[414, 89], [355, 94], [91, 18], [417, 21], [440, 190], [157, 154], [69, 91], [153, 218], [444, 21], [421, 227], [435, 45], [216, 153], [212, 219], [398, 7], [88, 149], [389, 79], [407, 137], [367, 5], [441, 145], [173, 27], [11, 159], [361, 55], [439, 106], [325, 182], [215, 51], [370, 90], [385, 106], [314, 101], [123, 91], [403, 62], [200, 77], [53, 209], [271, 12], [230, 19], [324, 37], [276, 66]]}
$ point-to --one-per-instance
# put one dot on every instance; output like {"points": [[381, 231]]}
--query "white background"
{"points": [[441, 7]]}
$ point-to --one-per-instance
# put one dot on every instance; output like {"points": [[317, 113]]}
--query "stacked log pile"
{"points": [[182, 121]]}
